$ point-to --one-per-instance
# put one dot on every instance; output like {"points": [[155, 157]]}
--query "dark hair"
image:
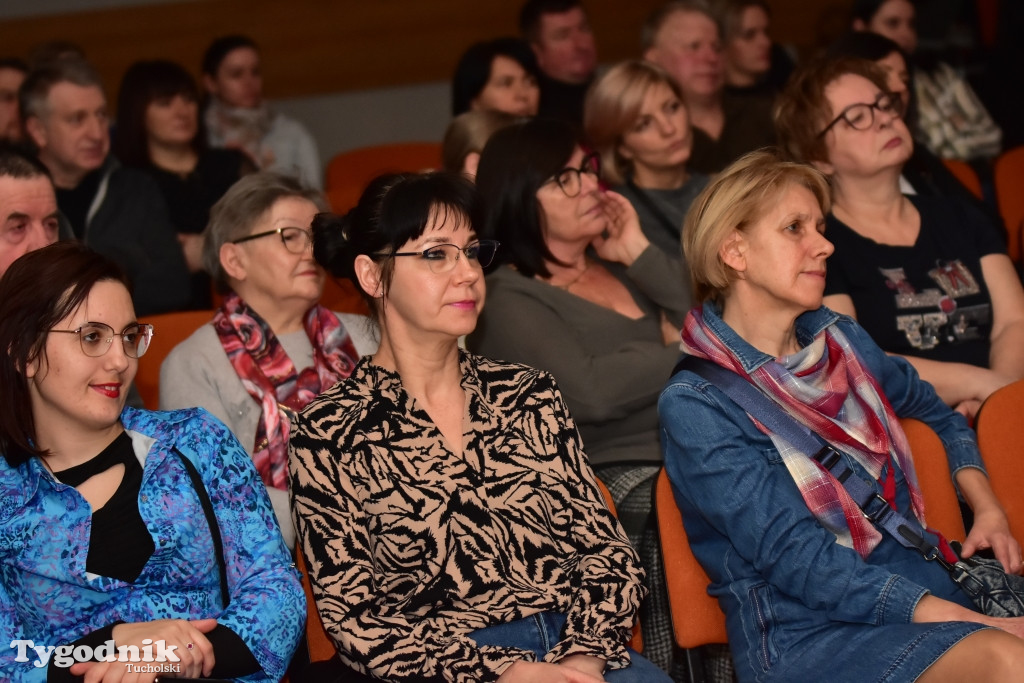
{"points": [[220, 48], [532, 11], [143, 83], [393, 209], [38, 291], [14, 63], [865, 10], [18, 161], [515, 162], [474, 68]]}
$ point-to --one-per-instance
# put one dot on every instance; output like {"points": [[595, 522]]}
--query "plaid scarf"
{"points": [[270, 377], [827, 389]]}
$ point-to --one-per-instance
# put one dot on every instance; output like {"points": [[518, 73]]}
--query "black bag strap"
{"points": [[211, 520], [908, 532]]}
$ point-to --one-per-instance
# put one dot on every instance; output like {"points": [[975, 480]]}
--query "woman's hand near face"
{"points": [[623, 241], [543, 672]]}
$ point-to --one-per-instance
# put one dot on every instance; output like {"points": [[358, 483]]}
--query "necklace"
{"points": [[570, 283]]}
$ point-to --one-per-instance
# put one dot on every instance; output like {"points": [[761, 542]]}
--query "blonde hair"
{"points": [[612, 107], [733, 201]]}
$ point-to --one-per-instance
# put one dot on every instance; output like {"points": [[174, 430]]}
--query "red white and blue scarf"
{"points": [[270, 377], [826, 387]]}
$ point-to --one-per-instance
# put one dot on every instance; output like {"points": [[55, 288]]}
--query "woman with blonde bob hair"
{"points": [[808, 583], [635, 119]]}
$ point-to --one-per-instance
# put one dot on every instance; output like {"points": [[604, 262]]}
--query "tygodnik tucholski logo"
{"points": [[152, 657]]}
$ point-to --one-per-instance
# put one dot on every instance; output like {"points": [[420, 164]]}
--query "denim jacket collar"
{"points": [[808, 326]]}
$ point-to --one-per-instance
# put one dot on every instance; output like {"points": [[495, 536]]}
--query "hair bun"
{"points": [[331, 243]]}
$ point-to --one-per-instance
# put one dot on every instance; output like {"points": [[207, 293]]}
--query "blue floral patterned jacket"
{"points": [[47, 596]]}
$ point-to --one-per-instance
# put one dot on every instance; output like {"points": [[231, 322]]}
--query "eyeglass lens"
{"points": [[443, 257], [862, 116], [296, 240], [97, 337], [569, 179]]}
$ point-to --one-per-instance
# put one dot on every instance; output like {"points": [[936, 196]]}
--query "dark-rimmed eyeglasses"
{"points": [[861, 116], [442, 258], [96, 338], [571, 180], [295, 240]]}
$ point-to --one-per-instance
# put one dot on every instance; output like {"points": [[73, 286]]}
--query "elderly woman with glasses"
{"points": [[122, 527], [583, 294], [927, 277], [270, 348], [453, 526]]}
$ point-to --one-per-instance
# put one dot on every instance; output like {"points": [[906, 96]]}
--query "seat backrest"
{"points": [[963, 172], [169, 330], [320, 646], [1009, 182], [350, 172], [941, 507], [696, 617], [1002, 447]]}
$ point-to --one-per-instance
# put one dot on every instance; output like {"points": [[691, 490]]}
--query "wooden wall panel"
{"points": [[324, 46]]}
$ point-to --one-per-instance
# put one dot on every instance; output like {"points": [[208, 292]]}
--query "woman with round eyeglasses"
{"points": [[583, 294], [270, 348], [927, 277], [123, 527], [451, 522]]}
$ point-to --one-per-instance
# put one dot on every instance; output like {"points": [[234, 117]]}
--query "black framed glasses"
{"points": [[861, 116], [571, 179], [442, 258], [96, 338], [295, 240]]}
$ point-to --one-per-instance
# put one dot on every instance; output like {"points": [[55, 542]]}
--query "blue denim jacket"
{"points": [[778, 574], [47, 596]]}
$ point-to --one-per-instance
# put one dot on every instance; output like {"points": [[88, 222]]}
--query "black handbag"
{"points": [[993, 591]]}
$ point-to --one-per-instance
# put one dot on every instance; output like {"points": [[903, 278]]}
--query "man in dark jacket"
{"points": [[117, 211]]}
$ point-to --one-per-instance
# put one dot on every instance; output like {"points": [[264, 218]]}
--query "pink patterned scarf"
{"points": [[270, 377], [825, 387]]}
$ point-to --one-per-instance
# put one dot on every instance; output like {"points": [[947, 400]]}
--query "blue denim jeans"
{"points": [[540, 632]]}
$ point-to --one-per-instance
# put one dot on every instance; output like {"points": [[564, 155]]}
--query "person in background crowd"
{"points": [[927, 277], [517, 571], [12, 75], [122, 524], [237, 116], [754, 65], [28, 206], [466, 136], [270, 347], [951, 121], [560, 35], [682, 37], [497, 75], [158, 132], [636, 120], [117, 211]]}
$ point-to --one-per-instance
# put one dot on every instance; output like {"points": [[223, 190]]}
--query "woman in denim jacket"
{"points": [[104, 537], [810, 589]]}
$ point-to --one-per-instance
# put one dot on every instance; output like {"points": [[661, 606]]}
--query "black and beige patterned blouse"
{"points": [[410, 547]]}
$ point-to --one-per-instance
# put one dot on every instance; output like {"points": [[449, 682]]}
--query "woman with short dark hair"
{"points": [[455, 530], [497, 75]]}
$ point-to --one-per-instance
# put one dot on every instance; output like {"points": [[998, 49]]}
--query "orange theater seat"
{"points": [[169, 330], [941, 507], [1002, 447], [1009, 182], [349, 173]]}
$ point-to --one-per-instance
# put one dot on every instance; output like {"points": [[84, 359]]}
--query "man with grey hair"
{"points": [[117, 211], [683, 37], [28, 206]]}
